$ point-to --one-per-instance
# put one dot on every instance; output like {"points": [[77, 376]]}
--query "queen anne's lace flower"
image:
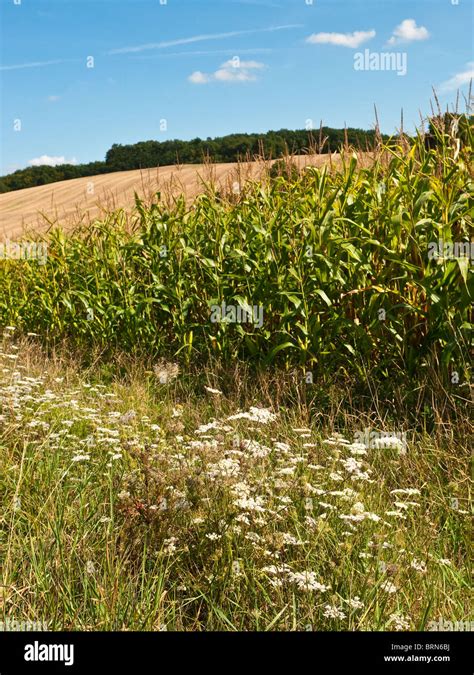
{"points": [[260, 415], [398, 622], [388, 587], [331, 612], [355, 603], [419, 566], [307, 581]]}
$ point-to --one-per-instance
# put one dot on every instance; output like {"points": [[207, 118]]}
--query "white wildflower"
{"points": [[355, 603], [261, 415], [307, 581], [281, 568], [254, 449], [331, 612], [204, 428], [290, 540], [250, 504], [286, 471], [419, 565], [283, 447], [213, 536], [169, 545], [253, 537], [399, 622], [90, 568], [396, 514], [225, 468], [335, 476], [388, 587]]}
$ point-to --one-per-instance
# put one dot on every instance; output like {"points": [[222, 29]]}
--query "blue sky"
{"points": [[210, 68]]}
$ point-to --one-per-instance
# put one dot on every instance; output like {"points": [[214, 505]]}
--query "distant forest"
{"points": [[232, 148]]}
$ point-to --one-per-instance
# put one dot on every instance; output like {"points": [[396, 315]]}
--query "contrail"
{"points": [[200, 38], [34, 64]]}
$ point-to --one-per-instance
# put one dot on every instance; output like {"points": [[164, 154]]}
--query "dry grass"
{"points": [[121, 512]]}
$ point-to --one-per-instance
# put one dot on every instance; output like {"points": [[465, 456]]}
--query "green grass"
{"points": [[120, 538]]}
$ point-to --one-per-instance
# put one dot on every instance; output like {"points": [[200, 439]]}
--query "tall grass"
{"points": [[143, 506]]}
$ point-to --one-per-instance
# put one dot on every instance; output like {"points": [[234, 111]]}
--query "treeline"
{"points": [[231, 148], [41, 175]]}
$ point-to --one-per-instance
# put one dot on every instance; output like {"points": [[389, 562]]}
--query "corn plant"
{"points": [[337, 260]]}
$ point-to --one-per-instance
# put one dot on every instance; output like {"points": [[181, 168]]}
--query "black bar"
{"points": [[394, 652]]}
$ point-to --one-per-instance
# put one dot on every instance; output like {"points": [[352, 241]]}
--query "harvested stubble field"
{"points": [[162, 471], [81, 200]]}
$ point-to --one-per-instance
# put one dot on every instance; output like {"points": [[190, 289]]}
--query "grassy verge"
{"points": [[154, 502]]}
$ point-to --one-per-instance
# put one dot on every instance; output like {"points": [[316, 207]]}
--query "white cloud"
{"points": [[408, 31], [352, 40], [46, 160], [200, 38], [459, 80], [198, 78], [53, 98], [237, 75], [233, 70]]}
